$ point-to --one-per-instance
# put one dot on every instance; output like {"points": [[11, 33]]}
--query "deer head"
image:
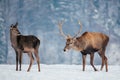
{"points": [[14, 30], [69, 39]]}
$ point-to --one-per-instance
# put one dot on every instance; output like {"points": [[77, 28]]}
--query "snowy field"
{"points": [[58, 72]]}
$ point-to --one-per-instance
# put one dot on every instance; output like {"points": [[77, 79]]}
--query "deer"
{"points": [[24, 44], [87, 43]]}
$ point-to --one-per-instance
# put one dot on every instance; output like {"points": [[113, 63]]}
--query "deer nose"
{"points": [[64, 50]]}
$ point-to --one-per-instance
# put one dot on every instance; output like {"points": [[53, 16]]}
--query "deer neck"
{"points": [[13, 39], [78, 45]]}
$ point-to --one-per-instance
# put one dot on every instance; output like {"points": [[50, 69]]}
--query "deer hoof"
{"points": [[28, 70], [106, 70], [95, 69], [19, 69], [38, 70]]}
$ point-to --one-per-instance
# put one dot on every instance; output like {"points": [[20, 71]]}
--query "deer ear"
{"points": [[16, 24], [11, 26]]}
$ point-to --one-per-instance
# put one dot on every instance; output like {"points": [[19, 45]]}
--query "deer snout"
{"points": [[64, 50]]}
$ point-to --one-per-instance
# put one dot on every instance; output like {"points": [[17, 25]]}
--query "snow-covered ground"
{"points": [[58, 72]]}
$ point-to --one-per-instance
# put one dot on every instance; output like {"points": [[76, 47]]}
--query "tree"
{"points": [[3, 44]]}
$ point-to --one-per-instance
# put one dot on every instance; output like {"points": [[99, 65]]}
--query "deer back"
{"points": [[27, 41], [92, 40]]}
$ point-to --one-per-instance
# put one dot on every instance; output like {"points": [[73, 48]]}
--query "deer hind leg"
{"points": [[37, 58], [102, 54], [91, 61], [31, 61], [106, 63], [84, 61]]}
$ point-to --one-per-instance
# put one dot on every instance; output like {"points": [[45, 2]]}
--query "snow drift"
{"points": [[58, 72]]}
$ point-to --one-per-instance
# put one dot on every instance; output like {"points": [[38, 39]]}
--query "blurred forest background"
{"points": [[40, 17]]}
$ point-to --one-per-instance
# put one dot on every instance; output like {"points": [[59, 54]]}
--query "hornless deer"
{"points": [[24, 44], [87, 43]]}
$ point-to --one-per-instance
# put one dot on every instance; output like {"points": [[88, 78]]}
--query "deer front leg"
{"points": [[16, 60], [91, 61], [20, 60], [84, 61], [31, 61]]}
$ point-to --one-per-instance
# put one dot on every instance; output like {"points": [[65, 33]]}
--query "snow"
{"points": [[58, 72]]}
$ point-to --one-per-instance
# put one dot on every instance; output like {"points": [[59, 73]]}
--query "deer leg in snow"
{"points": [[37, 58], [91, 61], [31, 61], [20, 60], [101, 53], [84, 61], [16, 60], [106, 63]]}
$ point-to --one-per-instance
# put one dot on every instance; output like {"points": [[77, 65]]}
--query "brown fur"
{"points": [[24, 44]]}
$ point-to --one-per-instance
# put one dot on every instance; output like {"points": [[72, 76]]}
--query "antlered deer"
{"points": [[24, 44], [87, 43]]}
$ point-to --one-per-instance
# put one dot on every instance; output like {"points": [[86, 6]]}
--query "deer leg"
{"points": [[101, 53], [20, 60], [31, 61], [91, 61], [102, 63], [38, 60], [106, 63], [16, 61], [84, 61]]}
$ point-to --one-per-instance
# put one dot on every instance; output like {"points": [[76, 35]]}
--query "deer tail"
{"points": [[36, 43]]}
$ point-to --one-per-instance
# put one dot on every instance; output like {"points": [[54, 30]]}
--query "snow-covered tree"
{"points": [[3, 42]]}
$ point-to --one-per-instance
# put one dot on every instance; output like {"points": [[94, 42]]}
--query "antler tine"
{"points": [[80, 28], [60, 28]]}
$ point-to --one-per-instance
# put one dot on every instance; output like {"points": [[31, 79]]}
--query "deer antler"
{"points": [[80, 28], [60, 23]]}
